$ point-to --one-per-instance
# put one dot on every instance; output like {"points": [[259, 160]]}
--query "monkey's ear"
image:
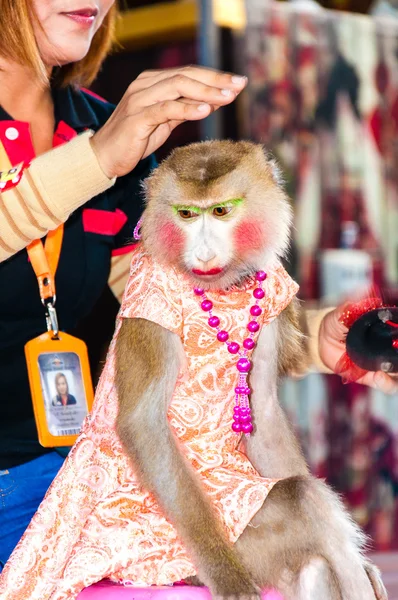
{"points": [[144, 188], [276, 171]]}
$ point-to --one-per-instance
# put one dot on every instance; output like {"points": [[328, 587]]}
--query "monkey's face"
{"points": [[216, 212]]}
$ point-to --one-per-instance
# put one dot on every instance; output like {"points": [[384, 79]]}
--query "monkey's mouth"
{"points": [[215, 271]]}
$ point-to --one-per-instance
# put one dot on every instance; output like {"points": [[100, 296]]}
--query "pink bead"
{"points": [[222, 336], [236, 417], [207, 305], [199, 291], [255, 311], [249, 344], [237, 410], [247, 391], [258, 293], [253, 326], [261, 275], [233, 348], [239, 390], [244, 411], [247, 428], [214, 321], [237, 427], [243, 365], [245, 419]]}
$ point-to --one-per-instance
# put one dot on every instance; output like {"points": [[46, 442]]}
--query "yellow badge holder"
{"points": [[58, 365]]}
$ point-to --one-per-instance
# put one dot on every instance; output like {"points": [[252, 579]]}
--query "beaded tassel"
{"points": [[242, 420]]}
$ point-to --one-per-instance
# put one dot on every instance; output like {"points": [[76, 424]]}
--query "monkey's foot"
{"points": [[239, 597], [375, 579], [194, 581]]}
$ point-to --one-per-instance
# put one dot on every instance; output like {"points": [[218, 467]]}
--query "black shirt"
{"points": [[81, 277]]}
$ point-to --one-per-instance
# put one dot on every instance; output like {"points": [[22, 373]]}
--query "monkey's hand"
{"points": [[148, 359]]}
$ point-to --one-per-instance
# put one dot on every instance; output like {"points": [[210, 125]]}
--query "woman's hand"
{"points": [[331, 348], [153, 105]]}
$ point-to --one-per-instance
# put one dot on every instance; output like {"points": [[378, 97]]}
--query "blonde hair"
{"points": [[18, 43], [56, 380]]}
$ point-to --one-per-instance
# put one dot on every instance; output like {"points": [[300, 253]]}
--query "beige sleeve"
{"points": [[55, 184], [314, 320]]}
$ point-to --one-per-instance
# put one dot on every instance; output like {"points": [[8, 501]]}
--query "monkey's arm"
{"points": [[281, 349], [148, 359]]}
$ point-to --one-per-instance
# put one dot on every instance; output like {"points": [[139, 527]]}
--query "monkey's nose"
{"points": [[205, 254]]}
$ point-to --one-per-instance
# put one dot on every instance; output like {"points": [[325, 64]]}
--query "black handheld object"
{"points": [[372, 340]]}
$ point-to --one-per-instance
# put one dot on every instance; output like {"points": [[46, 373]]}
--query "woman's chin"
{"points": [[65, 54]]}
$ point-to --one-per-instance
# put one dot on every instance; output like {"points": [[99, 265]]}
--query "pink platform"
{"points": [[109, 591]]}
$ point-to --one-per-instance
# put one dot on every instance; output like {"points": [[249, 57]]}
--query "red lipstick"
{"points": [[83, 16], [215, 271]]}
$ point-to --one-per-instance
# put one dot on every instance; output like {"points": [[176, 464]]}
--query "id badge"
{"points": [[61, 387]]}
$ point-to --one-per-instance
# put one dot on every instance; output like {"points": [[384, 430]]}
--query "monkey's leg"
{"points": [[148, 359], [301, 521], [316, 581]]}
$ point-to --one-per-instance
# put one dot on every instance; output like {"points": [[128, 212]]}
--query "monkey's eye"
{"points": [[184, 213], [221, 211]]}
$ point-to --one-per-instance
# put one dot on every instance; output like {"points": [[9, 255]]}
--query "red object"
{"points": [[123, 250], [104, 222], [345, 367]]}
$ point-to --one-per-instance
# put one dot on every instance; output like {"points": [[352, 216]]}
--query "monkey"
{"points": [[152, 491], [302, 541]]}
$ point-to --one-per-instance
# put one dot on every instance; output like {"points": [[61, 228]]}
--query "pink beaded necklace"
{"points": [[242, 420]]}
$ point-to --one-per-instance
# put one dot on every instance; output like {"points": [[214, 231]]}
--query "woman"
{"points": [[48, 48], [62, 397]]}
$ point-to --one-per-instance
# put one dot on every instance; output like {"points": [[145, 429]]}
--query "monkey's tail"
{"points": [[344, 545]]}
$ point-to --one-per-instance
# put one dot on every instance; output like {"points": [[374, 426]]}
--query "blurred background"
{"points": [[323, 97]]}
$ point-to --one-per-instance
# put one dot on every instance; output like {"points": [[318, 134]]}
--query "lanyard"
{"points": [[44, 260]]}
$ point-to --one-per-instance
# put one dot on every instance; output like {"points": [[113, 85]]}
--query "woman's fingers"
{"points": [[173, 110], [155, 104], [205, 75], [124, 140], [180, 86], [381, 381]]}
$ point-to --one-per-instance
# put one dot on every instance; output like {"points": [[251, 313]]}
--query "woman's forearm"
{"points": [[54, 185]]}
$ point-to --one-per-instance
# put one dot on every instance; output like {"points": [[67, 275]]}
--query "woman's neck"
{"points": [[25, 98], [22, 95]]}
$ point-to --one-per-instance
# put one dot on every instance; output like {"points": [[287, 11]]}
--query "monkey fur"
{"points": [[302, 542]]}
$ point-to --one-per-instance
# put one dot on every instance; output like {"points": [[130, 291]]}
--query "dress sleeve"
{"points": [[153, 292]]}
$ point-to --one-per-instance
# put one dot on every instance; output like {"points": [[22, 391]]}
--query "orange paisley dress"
{"points": [[96, 520]]}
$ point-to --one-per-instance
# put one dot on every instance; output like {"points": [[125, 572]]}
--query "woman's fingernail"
{"points": [[239, 79], [203, 107], [226, 92]]}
